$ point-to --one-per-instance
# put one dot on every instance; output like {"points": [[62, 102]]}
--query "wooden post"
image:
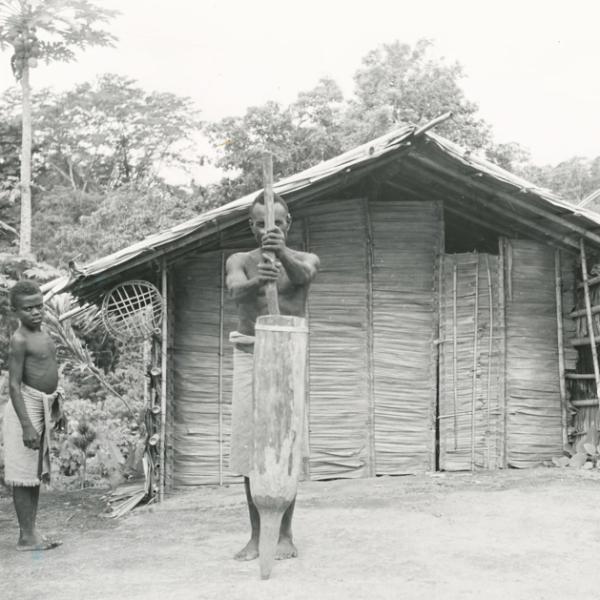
{"points": [[490, 350], [164, 343], [591, 334], [561, 349], [455, 352], [475, 350], [271, 288], [221, 351], [279, 389], [502, 317]]}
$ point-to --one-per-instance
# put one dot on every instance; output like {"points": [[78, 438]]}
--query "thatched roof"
{"points": [[418, 163]]}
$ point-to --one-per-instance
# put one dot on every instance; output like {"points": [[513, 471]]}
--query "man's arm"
{"points": [[301, 267], [16, 361], [238, 283]]}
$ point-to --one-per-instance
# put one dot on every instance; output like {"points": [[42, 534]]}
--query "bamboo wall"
{"points": [[533, 399], [372, 316], [406, 244]]}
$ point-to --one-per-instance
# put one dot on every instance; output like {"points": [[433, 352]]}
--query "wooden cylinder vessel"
{"points": [[279, 399]]}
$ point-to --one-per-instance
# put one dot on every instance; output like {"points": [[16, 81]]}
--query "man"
{"points": [[248, 273]]}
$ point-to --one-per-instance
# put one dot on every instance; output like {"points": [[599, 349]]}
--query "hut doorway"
{"points": [[471, 362]]}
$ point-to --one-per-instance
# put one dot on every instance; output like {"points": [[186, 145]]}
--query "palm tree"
{"points": [[48, 30]]}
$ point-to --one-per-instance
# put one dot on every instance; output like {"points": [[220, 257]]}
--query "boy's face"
{"points": [[30, 310], [258, 217]]}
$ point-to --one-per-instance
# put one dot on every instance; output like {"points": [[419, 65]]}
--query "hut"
{"points": [[448, 324]]}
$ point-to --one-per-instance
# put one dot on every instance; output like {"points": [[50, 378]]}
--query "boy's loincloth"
{"points": [[23, 466], [242, 447]]}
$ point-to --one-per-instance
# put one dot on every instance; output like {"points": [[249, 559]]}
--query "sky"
{"points": [[531, 66]]}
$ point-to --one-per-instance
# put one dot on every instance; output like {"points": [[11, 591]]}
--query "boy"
{"points": [[33, 379]]}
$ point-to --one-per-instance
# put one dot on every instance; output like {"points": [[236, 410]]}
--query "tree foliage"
{"points": [[110, 133], [572, 179], [396, 84], [51, 30], [82, 226]]}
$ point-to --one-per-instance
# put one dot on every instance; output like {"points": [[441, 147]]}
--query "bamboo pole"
{"points": [[592, 281], [220, 382], [163, 379], [561, 349], [439, 329], [475, 350], [502, 311], [370, 340], [576, 313], [454, 352], [421, 130], [271, 288], [490, 350], [590, 322]]}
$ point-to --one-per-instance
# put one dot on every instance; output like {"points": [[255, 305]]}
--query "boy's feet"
{"points": [[37, 543]]}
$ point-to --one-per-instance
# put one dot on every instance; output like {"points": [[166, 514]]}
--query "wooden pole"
{"points": [[455, 353], [502, 317], [591, 334], [561, 349], [163, 380], [221, 351], [369, 262], [271, 288], [475, 350], [490, 350]]}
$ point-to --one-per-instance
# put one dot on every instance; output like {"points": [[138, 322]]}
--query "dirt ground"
{"points": [[531, 535]]}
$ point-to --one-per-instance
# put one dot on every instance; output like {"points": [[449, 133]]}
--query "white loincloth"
{"points": [[23, 466]]}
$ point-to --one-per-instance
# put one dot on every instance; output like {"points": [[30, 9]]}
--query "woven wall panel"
{"points": [[533, 397], [338, 340], [202, 413], [405, 246], [471, 409]]}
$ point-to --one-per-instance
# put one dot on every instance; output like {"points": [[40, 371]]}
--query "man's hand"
{"points": [[31, 438], [268, 271], [273, 241]]}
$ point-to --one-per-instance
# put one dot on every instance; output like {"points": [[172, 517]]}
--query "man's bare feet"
{"points": [[248, 552], [37, 543], [285, 549]]}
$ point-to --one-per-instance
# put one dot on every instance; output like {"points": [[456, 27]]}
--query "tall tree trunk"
{"points": [[25, 236]]}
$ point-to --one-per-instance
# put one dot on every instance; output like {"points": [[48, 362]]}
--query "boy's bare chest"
{"points": [[41, 347]]}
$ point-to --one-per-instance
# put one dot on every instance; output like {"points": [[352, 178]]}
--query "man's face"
{"points": [[30, 310], [258, 220]]}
